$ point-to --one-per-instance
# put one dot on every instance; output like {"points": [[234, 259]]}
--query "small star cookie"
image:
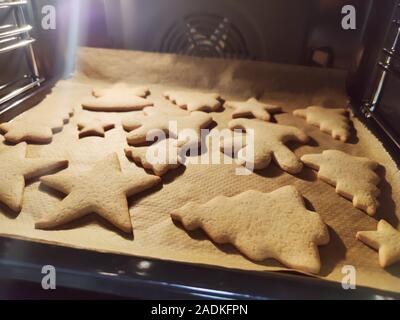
{"points": [[93, 127], [262, 225], [194, 101], [332, 121], [269, 139], [386, 240], [15, 168], [184, 128], [102, 190], [252, 107], [354, 177], [159, 157], [119, 97]]}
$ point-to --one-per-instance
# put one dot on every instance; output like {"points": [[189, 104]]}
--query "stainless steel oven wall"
{"points": [[273, 30]]}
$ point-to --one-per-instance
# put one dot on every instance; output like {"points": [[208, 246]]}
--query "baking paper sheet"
{"points": [[155, 235]]}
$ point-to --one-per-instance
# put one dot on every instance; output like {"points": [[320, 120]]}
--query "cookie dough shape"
{"points": [[37, 125], [386, 240], [194, 101], [159, 157], [269, 142], [332, 121], [15, 168], [102, 190], [354, 177], [93, 127], [174, 126], [252, 108], [122, 87], [120, 97], [261, 226]]}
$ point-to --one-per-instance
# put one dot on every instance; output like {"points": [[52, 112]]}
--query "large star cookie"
{"points": [[119, 97], [332, 121], [386, 240], [93, 127], [102, 190], [184, 128], [36, 125], [15, 168], [354, 177], [262, 225], [159, 157], [269, 142], [194, 101], [252, 107]]}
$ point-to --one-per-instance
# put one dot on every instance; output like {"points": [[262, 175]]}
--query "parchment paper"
{"points": [[155, 235]]}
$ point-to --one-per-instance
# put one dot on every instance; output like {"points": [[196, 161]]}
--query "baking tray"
{"points": [[124, 276]]}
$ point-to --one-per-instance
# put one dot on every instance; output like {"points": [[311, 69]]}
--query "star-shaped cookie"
{"points": [[386, 240], [354, 177], [184, 128], [120, 97], [261, 226], [159, 157], [122, 87], [194, 101], [93, 127], [332, 121], [102, 190], [269, 143], [252, 108], [15, 168]]}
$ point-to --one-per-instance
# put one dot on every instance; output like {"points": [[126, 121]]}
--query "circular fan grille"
{"points": [[205, 36]]}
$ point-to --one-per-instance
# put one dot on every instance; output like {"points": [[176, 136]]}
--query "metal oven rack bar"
{"points": [[13, 37], [390, 55]]}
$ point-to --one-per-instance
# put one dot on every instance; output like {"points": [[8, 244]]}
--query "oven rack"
{"points": [[13, 37], [391, 56]]}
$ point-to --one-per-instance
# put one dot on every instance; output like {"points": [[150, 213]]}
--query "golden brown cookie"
{"points": [[252, 108], [102, 190], [37, 125], [159, 157], [174, 126], [386, 240], [269, 142], [261, 226], [194, 101], [15, 168], [354, 177], [93, 127], [120, 97], [332, 121]]}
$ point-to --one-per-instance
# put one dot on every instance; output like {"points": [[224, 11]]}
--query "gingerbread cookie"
{"points": [[120, 97], [102, 190], [252, 108], [15, 168], [159, 157], [93, 127], [195, 101], [122, 88], [269, 142], [354, 177], [37, 125], [386, 240], [332, 121], [261, 226], [173, 125]]}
